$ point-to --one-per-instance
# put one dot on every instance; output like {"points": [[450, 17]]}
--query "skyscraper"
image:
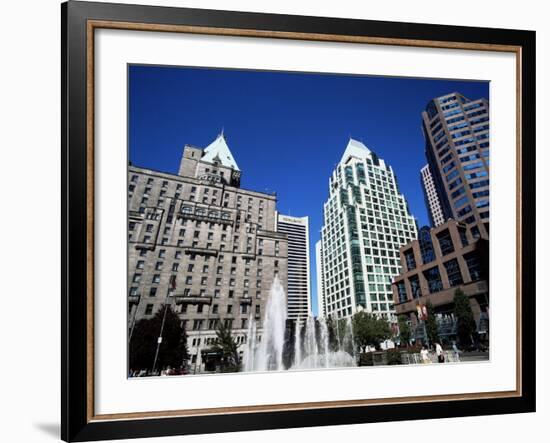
{"points": [[320, 280], [299, 290], [433, 205], [456, 131], [366, 221], [200, 242]]}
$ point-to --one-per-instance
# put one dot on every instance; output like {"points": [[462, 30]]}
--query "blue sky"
{"points": [[286, 130]]}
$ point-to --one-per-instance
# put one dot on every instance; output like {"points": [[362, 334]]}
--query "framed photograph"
{"points": [[279, 221]]}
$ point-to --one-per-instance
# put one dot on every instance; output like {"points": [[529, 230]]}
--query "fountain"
{"points": [[312, 348], [268, 354]]}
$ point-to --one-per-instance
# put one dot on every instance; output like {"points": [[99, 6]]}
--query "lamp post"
{"points": [[171, 287], [133, 301]]}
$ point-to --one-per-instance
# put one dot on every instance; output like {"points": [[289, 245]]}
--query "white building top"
{"points": [[218, 151], [355, 148]]}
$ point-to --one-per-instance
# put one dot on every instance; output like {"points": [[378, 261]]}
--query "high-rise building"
{"points": [[454, 254], [200, 242], [433, 205], [366, 221], [456, 131], [299, 289], [320, 280]]}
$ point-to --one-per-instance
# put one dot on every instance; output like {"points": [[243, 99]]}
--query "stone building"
{"points": [[200, 242], [442, 260]]}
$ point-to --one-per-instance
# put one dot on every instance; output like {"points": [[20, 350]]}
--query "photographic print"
{"points": [[290, 221]]}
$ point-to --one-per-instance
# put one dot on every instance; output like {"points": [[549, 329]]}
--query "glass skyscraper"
{"points": [[366, 221], [456, 131]]}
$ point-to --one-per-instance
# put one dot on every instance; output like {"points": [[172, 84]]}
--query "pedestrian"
{"points": [[456, 351], [439, 353], [425, 355]]}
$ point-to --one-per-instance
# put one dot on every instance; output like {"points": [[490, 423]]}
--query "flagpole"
{"points": [[171, 286]]}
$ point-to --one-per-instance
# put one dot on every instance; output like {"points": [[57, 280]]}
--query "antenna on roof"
{"points": [[221, 133]]}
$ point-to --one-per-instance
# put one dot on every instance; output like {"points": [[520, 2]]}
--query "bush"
{"points": [[366, 359], [393, 357]]}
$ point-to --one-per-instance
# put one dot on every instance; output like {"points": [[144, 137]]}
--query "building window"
{"points": [[453, 272], [197, 325], [137, 278], [153, 292], [434, 279], [156, 278], [409, 259], [229, 309], [415, 286], [445, 242], [149, 309], [473, 266], [401, 292]]}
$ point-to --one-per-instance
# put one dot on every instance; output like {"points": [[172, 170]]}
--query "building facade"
{"points": [[320, 280], [200, 242], [456, 132], [442, 260], [431, 199], [299, 276], [366, 221]]}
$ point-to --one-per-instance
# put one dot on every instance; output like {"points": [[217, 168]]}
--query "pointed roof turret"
{"points": [[355, 148], [218, 151]]}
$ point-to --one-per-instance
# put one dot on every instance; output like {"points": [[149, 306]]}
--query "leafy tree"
{"points": [[225, 344], [143, 345], [431, 324], [369, 330], [466, 324], [405, 332]]}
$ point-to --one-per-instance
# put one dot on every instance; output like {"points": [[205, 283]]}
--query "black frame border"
{"points": [[75, 425]]}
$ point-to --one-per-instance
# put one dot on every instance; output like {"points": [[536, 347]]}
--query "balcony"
{"points": [[200, 251], [193, 300]]}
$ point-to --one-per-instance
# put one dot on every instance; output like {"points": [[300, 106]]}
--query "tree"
{"points": [[466, 324], [431, 324], [143, 345], [405, 332], [369, 330], [226, 345]]}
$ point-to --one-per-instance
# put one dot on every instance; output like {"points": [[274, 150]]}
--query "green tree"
{"points": [[405, 332], [466, 324], [431, 324], [228, 347], [369, 330], [143, 345]]}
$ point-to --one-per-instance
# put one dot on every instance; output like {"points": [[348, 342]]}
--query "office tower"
{"points": [[431, 199], [366, 221], [456, 131], [320, 280], [299, 290], [213, 244]]}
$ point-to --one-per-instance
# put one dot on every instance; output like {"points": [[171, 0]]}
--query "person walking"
{"points": [[425, 355], [456, 351], [439, 353]]}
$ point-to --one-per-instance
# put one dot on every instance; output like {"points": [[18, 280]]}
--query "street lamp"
{"points": [[133, 301]]}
